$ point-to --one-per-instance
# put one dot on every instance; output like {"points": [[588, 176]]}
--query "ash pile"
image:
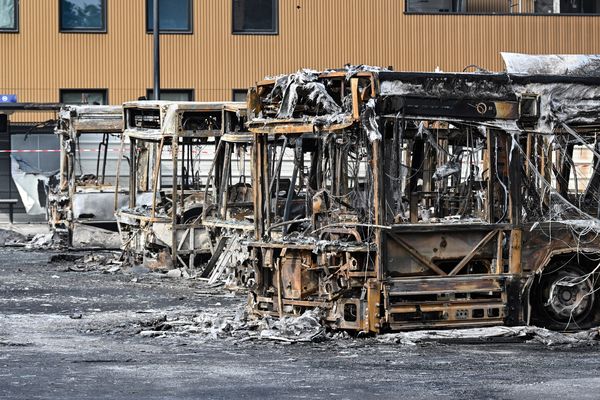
{"points": [[237, 327]]}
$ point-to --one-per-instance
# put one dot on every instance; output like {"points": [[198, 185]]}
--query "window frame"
{"points": [[274, 32], [528, 14], [234, 91], [104, 91], [104, 28], [16, 17], [191, 92], [150, 30]]}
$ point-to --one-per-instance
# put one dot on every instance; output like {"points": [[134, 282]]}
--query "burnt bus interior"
{"points": [[326, 202], [170, 146], [315, 239], [228, 209], [229, 184], [426, 200], [172, 149], [82, 199]]}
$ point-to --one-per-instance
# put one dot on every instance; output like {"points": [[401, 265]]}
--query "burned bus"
{"points": [[428, 200], [81, 205], [172, 149], [229, 211]]}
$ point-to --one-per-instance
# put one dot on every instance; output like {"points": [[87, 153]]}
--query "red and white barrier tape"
{"points": [[125, 151], [29, 151], [55, 151]]}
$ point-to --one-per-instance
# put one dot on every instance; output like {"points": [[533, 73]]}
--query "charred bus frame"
{"points": [[426, 199], [229, 210], [172, 147], [85, 202]]}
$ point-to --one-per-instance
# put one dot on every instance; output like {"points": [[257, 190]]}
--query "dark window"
{"points": [[9, 15], [435, 6], [567, 7], [83, 15], [84, 96], [579, 6], [172, 94], [240, 94], [3, 123], [255, 16], [174, 16], [504, 7]]}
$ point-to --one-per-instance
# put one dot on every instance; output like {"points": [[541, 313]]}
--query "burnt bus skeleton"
{"points": [[80, 206], [228, 211], [159, 224], [173, 145], [427, 199]]}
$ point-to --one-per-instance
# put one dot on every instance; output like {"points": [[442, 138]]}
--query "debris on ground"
{"points": [[206, 325], [239, 326], [64, 257], [174, 273], [102, 258], [86, 237], [42, 241], [530, 334], [304, 328], [11, 238], [76, 314], [105, 261], [216, 325]]}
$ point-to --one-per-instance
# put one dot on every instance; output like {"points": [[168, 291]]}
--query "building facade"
{"points": [[101, 50]]}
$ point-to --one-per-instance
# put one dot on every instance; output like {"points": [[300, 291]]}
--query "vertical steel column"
{"points": [[156, 33], [174, 222]]}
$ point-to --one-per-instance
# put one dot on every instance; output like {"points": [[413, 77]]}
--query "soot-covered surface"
{"points": [[68, 334]]}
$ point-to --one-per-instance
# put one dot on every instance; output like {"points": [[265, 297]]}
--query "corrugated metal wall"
{"points": [[312, 33]]}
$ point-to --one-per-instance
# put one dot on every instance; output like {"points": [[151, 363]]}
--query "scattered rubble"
{"points": [[237, 326], [174, 273], [11, 238], [105, 261], [87, 237], [529, 334], [240, 327], [304, 328], [64, 257], [42, 241]]}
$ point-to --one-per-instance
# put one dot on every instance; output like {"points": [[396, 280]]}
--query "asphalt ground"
{"points": [[76, 335]]}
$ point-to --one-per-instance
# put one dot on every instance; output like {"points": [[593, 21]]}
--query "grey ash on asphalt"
{"points": [[48, 352]]}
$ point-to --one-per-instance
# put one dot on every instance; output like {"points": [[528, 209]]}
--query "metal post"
{"points": [[156, 33], [11, 210]]}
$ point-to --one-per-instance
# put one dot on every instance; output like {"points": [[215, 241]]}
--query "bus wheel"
{"points": [[564, 299]]}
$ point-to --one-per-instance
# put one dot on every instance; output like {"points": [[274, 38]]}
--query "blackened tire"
{"points": [[564, 298]]}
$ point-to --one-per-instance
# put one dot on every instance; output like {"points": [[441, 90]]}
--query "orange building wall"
{"points": [[40, 60]]}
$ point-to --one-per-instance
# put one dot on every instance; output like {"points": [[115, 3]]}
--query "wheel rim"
{"points": [[569, 295]]}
